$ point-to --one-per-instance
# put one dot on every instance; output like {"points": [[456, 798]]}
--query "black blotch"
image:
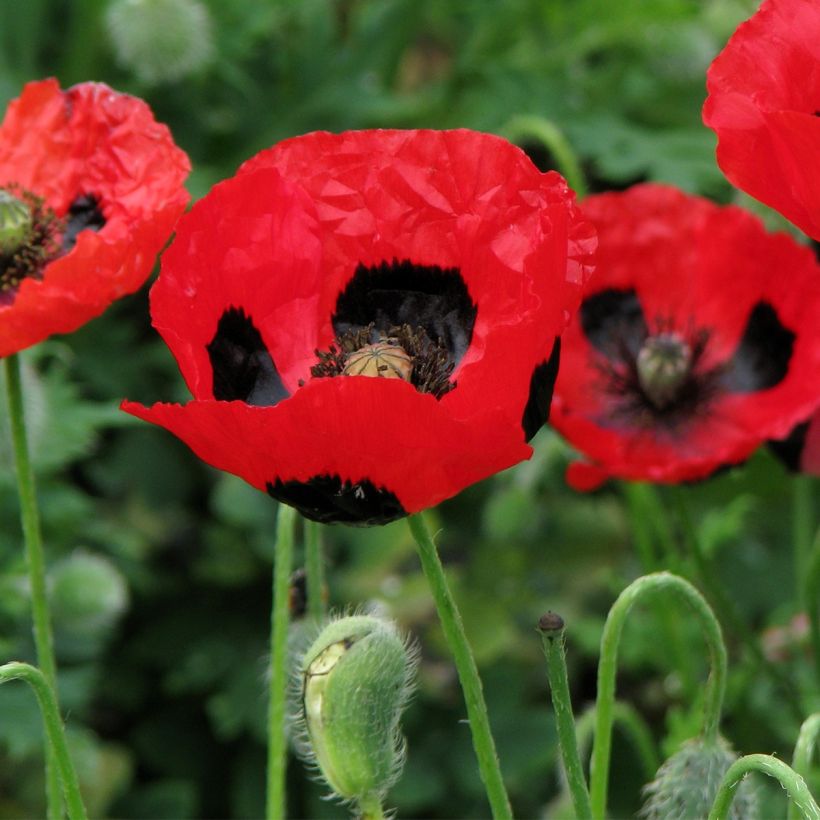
{"points": [[84, 212], [790, 449], [243, 367], [542, 382], [614, 323], [329, 500], [398, 293], [762, 358]]}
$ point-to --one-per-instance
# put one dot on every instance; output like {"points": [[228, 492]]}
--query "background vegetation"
{"points": [[160, 567]]}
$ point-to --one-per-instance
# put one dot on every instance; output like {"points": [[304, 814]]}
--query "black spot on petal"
{"points": [[790, 449], [542, 382], [762, 358], [329, 500], [84, 212], [402, 293], [614, 323], [243, 367]]}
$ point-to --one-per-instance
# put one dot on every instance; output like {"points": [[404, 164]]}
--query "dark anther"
{"points": [[329, 500], [243, 367], [762, 358], [537, 410], [614, 323], [84, 212]]}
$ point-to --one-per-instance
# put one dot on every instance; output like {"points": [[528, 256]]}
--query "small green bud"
{"points": [[15, 223], [686, 785], [356, 679]]}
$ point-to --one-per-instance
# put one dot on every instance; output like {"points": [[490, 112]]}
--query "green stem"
{"points": [[35, 560], [655, 512], [813, 601], [607, 668], [551, 627], [803, 531], [277, 692], [789, 779], [371, 808], [465, 664], [526, 127], [67, 777], [314, 571], [803, 751], [726, 608]]}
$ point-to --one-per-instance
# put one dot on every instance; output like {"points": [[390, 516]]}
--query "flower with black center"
{"points": [[368, 322], [764, 105], [90, 188], [698, 338]]}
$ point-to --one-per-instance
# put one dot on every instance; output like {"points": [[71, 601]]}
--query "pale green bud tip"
{"points": [[686, 785], [15, 223], [161, 40], [356, 679]]}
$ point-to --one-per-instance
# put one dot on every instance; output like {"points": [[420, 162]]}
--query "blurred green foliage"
{"points": [[160, 567]]}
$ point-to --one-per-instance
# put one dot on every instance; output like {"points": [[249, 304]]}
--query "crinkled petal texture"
{"points": [[267, 268], [670, 261], [88, 142], [764, 101]]}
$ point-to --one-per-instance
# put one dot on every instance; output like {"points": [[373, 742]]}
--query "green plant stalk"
{"points": [[35, 560], [371, 808], [547, 132], [67, 777], [607, 668], [277, 691], [465, 665], [314, 571], [803, 531], [803, 751], [789, 779], [562, 705], [813, 602], [726, 608]]}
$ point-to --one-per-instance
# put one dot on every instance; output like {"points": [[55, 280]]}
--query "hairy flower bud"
{"points": [[686, 785], [355, 679]]}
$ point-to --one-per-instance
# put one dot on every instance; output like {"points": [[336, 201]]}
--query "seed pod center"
{"points": [[664, 363], [382, 360]]}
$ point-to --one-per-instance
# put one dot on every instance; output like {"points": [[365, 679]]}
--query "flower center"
{"points": [[402, 352], [664, 364], [29, 239]]}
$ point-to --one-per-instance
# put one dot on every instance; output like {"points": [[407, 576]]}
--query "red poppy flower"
{"points": [[442, 261], [764, 102], [97, 185], [698, 339]]}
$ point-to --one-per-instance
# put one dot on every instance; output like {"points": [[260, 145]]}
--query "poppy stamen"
{"points": [[663, 365]]}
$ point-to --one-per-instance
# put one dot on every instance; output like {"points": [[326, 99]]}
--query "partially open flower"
{"points": [[697, 340], [764, 102], [368, 321], [90, 188]]}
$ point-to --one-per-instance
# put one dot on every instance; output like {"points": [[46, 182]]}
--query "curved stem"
{"points": [[803, 751], [277, 691], [789, 779], [552, 638], [35, 560], [314, 571], [54, 731], [465, 664], [607, 667], [552, 138]]}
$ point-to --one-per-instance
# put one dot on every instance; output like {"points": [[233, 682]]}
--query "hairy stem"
{"points": [[803, 751], [607, 668], [277, 691], [67, 777], [314, 570], [465, 665], [789, 779], [35, 560]]}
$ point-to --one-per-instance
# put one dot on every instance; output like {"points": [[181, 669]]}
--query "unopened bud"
{"points": [[686, 785], [356, 678]]}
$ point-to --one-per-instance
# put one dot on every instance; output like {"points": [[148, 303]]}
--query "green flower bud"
{"points": [[686, 785], [356, 679], [15, 223], [161, 40]]}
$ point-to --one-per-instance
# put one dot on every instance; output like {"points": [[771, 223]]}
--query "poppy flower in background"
{"points": [[764, 105], [90, 188], [698, 338], [368, 321]]}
